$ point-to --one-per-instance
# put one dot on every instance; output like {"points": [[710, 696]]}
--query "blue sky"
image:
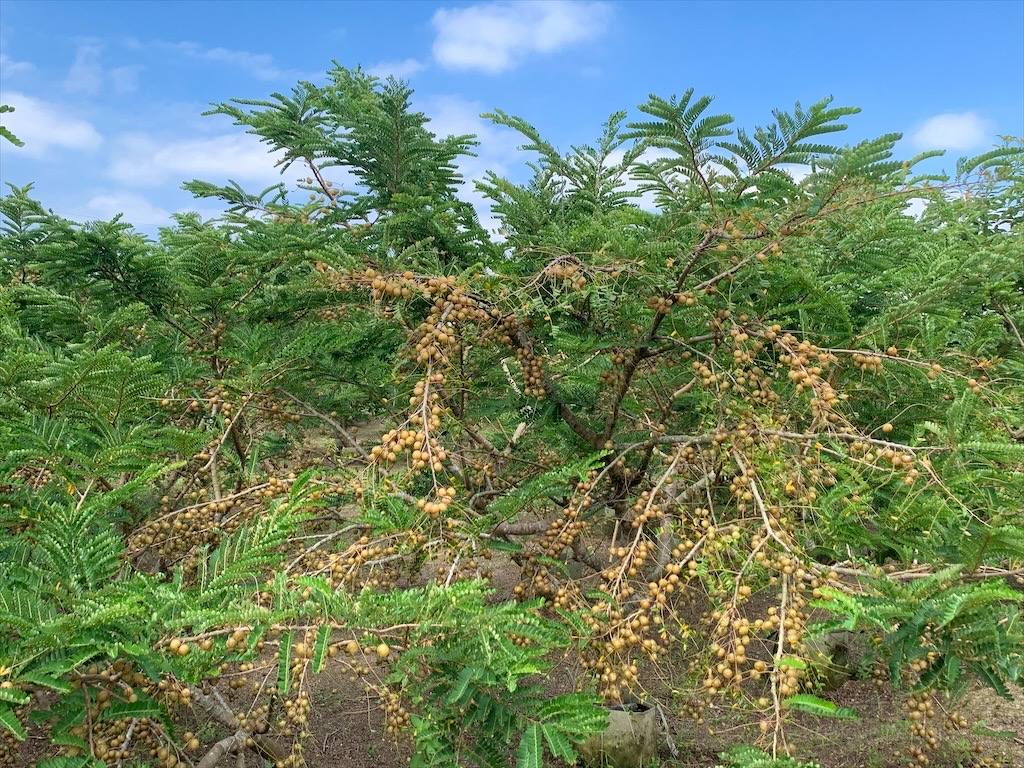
{"points": [[109, 94]]}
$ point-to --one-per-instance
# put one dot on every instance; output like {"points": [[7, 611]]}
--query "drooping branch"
{"points": [[346, 436]]}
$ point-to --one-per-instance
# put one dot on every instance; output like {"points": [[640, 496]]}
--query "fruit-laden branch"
{"points": [[640, 352], [576, 424]]}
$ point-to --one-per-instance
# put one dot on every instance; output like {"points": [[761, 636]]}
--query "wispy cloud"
{"points": [[916, 207], [498, 150], [144, 160], [88, 77], [645, 200], [86, 74], [136, 209], [400, 69], [260, 65], [496, 37], [953, 130], [797, 171], [43, 125], [10, 67], [125, 80]]}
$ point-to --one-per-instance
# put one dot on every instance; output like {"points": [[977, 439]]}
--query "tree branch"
{"points": [[344, 434], [216, 707]]}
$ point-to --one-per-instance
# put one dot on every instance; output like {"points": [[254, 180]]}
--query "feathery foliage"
{"points": [[312, 433]]}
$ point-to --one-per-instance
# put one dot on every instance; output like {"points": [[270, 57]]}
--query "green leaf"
{"points": [[14, 696], [10, 722], [530, 747], [68, 739], [815, 705], [462, 683], [49, 681], [284, 666], [83, 761], [122, 710], [558, 744], [323, 641], [982, 730]]}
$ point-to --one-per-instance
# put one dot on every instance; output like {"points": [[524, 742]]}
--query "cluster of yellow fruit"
{"points": [[395, 713], [434, 341], [569, 270], [618, 638], [868, 363], [661, 304], [177, 533], [10, 747], [363, 563], [117, 741], [424, 402], [444, 498], [891, 456], [533, 372], [220, 401], [559, 536], [424, 450]]}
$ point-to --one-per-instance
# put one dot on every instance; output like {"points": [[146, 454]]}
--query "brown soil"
{"points": [[348, 729]]}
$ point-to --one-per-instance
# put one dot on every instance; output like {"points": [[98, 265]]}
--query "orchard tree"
{"points": [[711, 387]]}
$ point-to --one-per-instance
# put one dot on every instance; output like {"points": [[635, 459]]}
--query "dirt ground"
{"points": [[348, 730], [348, 727]]}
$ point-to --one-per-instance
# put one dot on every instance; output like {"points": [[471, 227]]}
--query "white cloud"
{"points": [[630, 183], [137, 210], [498, 150], [86, 73], [496, 37], [125, 79], [963, 130], [399, 69], [259, 65], [916, 207], [9, 66], [144, 160], [42, 125]]}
